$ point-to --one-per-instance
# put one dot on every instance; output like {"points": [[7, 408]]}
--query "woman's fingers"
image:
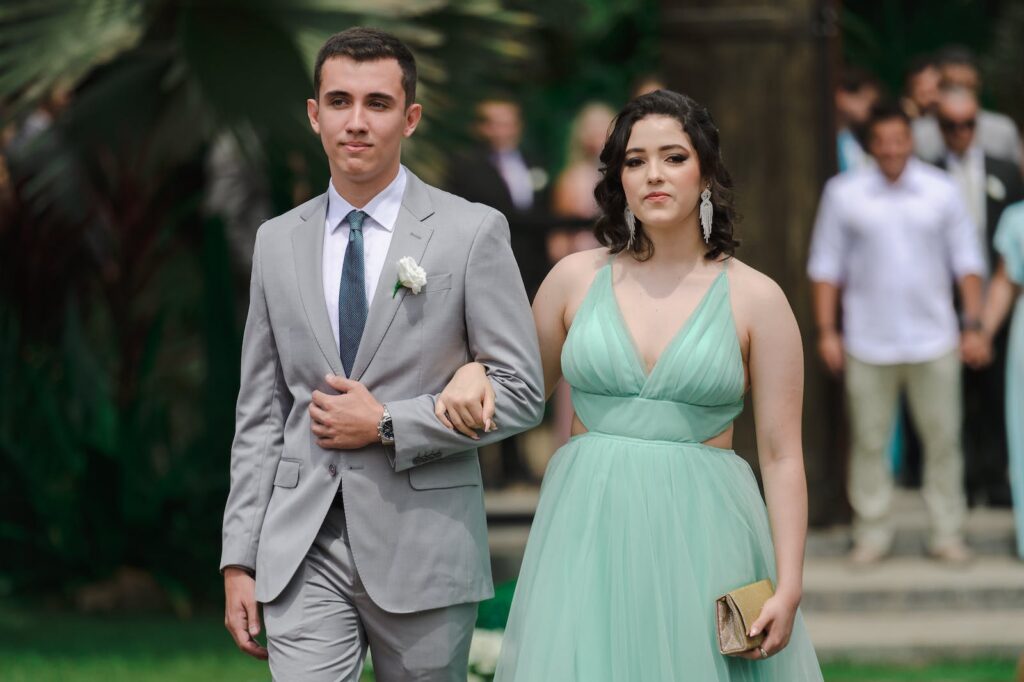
{"points": [[455, 416], [441, 412]]}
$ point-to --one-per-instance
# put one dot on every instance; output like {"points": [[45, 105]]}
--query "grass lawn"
{"points": [[37, 646]]}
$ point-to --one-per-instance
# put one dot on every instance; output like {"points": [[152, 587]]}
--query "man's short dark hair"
{"points": [[368, 45], [919, 65], [956, 55], [882, 112], [853, 79]]}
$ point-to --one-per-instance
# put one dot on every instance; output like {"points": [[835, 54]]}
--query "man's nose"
{"points": [[357, 119]]}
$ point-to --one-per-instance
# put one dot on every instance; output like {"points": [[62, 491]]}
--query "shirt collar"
{"points": [[382, 209], [974, 156], [908, 180]]}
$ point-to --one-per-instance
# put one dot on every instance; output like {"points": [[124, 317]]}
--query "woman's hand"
{"points": [[776, 621], [467, 402]]}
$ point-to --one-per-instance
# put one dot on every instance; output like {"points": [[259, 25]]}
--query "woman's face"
{"points": [[661, 173]]}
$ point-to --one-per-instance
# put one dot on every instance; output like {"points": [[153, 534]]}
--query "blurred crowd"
{"points": [[919, 242]]}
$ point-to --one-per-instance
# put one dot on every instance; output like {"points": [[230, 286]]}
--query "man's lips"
{"points": [[356, 146]]}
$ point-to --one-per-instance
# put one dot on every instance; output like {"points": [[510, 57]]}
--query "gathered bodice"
{"points": [[693, 393]]}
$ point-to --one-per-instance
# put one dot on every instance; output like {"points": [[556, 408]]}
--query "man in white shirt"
{"points": [[888, 242]]}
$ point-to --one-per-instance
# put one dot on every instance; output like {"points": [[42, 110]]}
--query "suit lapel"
{"points": [[308, 250], [410, 239]]}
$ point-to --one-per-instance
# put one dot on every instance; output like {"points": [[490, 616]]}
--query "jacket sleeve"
{"points": [[263, 404], [501, 336]]}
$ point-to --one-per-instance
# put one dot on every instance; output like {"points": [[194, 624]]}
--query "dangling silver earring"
{"points": [[631, 225], [707, 213]]}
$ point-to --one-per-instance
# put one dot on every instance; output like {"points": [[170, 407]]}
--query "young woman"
{"points": [[1004, 295], [646, 515]]}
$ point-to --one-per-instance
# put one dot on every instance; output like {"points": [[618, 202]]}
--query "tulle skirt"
{"points": [[632, 542]]}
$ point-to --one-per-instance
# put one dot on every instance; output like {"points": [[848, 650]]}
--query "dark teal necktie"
{"points": [[352, 307]]}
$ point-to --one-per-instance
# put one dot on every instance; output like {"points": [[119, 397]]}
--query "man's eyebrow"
{"points": [[372, 95]]}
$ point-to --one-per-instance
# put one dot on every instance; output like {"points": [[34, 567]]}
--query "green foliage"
{"points": [[493, 613]]}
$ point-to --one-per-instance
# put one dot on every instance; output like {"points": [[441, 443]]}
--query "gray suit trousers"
{"points": [[319, 627]]}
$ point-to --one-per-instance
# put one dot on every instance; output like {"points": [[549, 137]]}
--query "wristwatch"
{"points": [[385, 428], [972, 324]]}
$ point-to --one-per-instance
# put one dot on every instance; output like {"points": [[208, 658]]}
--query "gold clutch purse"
{"points": [[736, 611]]}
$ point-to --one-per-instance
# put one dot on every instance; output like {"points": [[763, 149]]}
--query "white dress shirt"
{"points": [[969, 173], [514, 171], [895, 250], [379, 226]]}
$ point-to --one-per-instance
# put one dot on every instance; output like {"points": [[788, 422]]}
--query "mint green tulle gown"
{"points": [[639, 526]]}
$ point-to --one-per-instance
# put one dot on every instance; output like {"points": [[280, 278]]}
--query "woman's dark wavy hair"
{"points": [[611, 228]]}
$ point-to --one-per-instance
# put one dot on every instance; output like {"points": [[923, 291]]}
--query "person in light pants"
{"points": [[888, 243]]}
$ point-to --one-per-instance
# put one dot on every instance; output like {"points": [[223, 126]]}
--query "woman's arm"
{"points": [[549, 313], [777, 378], [1002, 292], [467, 402]]}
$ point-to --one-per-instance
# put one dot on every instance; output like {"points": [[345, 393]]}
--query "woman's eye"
{"points": [[633, 163], [676, 158]]}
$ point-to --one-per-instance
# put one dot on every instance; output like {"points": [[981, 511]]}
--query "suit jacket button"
{"points": [[332, 470]]}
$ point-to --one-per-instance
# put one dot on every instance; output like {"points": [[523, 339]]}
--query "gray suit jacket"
{"points": [[414, 512]]}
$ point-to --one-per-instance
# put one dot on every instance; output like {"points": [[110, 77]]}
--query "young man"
{"points": [[355, 517], [889, 241]]}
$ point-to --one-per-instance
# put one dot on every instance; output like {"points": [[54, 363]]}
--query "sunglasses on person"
{"points": [[953, 126]]}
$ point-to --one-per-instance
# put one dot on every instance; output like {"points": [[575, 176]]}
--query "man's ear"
{"points": [[412, 119], [313, 111]]}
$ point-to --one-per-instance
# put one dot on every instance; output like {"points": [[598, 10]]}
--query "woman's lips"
{"points": [[656, 196]]}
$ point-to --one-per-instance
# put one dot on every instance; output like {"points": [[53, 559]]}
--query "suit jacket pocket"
{"points": [[438, 282], [287, 473], [451, 472]]}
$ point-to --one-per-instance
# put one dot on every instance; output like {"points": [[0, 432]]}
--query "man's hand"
{"points": [[975, 349], [830, 348], [241, 617], [346, 421]]}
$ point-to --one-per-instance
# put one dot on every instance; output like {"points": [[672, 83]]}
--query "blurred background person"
{"points": [[647, 83], [573, 195], [891, 266], [996, 133], [858, 91], [1003, 294], [500, 174], [988, 185], [573, 198], [921, 87]]}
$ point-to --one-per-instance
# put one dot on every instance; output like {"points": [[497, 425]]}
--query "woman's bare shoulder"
{"points": [[580, 264], [755, 292]]}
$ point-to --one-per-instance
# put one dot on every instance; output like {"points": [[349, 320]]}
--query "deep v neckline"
{"points": [[638, 359]]}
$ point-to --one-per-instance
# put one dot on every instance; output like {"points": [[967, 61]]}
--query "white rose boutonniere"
{"points": [[410, 275], [996, 189]]}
